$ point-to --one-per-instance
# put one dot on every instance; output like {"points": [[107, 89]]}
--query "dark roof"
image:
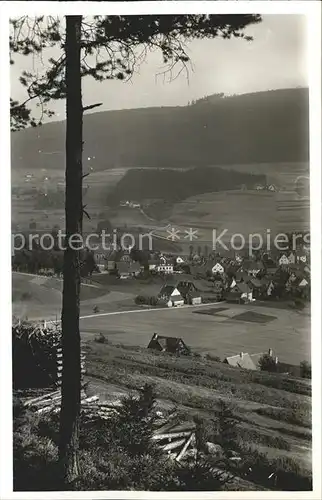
{"points": [[167, 290], [243, 288], [241, 274], [256, 283], [271, 270], [253, 265], [168, 344]]}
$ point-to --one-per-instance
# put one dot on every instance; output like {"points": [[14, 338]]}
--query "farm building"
{"points": [[172, 345], [128, 269], [240, 293], [194, 298], [242, 360], [249, 361], [171, 295], [252, 267]]}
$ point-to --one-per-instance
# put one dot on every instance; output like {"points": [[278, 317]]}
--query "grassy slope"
{"points": [[273, 412]]}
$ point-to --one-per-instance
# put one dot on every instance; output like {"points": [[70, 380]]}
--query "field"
{"points": [[222, 334], [225, 329], [239, 211]]}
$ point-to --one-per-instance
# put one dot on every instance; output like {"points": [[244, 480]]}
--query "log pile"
{"points": [[173, 437], [34, 348], [37, 354]]}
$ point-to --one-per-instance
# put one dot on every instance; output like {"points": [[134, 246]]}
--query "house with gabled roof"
{"points": [[215, 267], [241, 292], [173, 345], [189, 292], [171, 296], [248, 361], [301, 257], [164, 265], [283, 260], [252, 267], [242, 360], [126, 269]]}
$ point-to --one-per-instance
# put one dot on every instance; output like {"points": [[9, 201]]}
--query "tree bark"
{"points": [[71, 377]]}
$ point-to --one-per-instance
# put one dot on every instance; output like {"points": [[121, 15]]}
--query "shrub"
{"points": [[293, 416], [211, 357], [140, 299], [101, 339], [274, 473], [146, 300], [305, 368], [267, 363]]}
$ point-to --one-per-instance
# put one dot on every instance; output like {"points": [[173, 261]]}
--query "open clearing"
{"points": [[220, 334], [222, 330]]}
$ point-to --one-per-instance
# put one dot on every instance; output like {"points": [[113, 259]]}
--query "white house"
{"points": [[303, 283], [217, 268], [171, 295], [164, 267], [233, 283], [270, 289], [179, 260], [283, 260]]}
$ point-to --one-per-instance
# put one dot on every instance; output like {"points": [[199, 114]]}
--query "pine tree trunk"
{"points": [[71, 378]]}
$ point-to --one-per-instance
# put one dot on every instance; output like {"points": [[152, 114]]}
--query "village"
{"points": [[266, 280]]}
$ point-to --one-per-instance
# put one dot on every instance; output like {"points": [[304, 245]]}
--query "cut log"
{"points": [[174, 435], [30, 402], [184, 449], [174, 445], [90, 399]]}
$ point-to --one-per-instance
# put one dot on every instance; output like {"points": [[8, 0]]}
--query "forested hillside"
{"points": [[263, 127]]}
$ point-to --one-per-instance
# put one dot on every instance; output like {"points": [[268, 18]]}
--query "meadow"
{"points": [[222, 334], [226, 329]]}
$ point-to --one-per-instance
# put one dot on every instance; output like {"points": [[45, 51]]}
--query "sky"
{"points": [[277, 58]]}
